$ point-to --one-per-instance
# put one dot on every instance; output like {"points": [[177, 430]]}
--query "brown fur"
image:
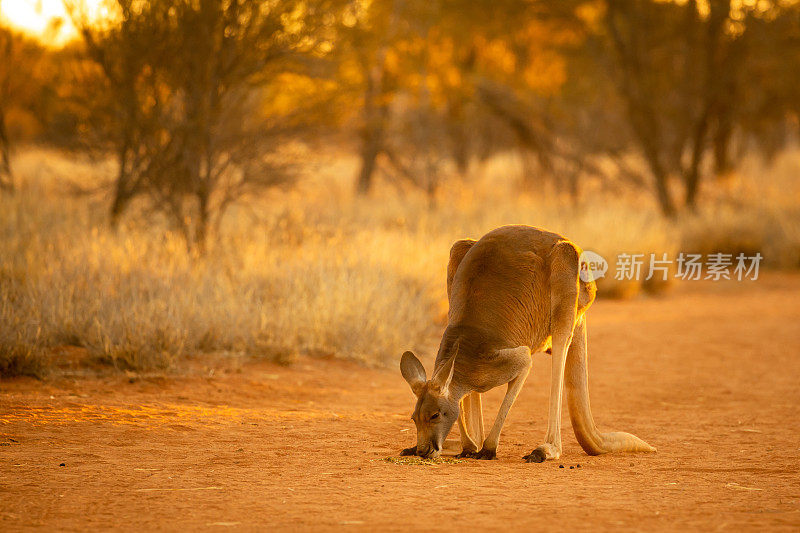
{"points": [[513, 292]]}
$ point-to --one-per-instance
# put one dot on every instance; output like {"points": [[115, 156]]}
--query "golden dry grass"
{"points": [[313, 270]]}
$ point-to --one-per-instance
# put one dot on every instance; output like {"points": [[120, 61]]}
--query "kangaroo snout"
{"points": [[429, 452]]}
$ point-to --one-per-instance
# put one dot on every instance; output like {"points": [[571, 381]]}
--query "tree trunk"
{"points": [[641, 111], [722, 147], [372, 138], [369, 158], [375, 112], [122, 194], [201, 229], [573, 177], [661, 178], [692, 175], [458, 136], [6, 175], [123, 189], [664, 197]]}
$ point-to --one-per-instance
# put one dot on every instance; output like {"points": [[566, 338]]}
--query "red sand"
{"points": [[708, 374]]}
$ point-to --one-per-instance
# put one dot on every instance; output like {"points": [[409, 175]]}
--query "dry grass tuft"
{"points": [[419, 461]]}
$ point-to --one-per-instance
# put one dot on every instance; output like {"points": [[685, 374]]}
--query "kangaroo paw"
{"points": [[486, 454], [409, 451], [536, 456], [542, 453]]}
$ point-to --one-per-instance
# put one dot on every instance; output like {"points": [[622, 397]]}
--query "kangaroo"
{"points": [[514, 292]]}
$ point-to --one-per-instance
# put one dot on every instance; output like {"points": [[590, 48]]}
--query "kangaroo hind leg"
{"points": [[563, 310]]}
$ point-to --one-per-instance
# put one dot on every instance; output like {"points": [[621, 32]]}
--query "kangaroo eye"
{"points": [[434, 416]]}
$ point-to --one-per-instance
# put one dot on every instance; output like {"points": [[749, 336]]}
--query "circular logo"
{"points": [[592, 266]]}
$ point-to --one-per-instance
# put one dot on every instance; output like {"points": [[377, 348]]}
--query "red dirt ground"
{"points": [[708, 374]]}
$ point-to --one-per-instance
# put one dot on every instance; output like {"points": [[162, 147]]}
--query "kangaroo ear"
{"points": [[413, 372], [441, 380]]}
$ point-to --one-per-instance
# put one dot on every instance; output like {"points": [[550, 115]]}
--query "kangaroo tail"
{"points": [[576, 382]]}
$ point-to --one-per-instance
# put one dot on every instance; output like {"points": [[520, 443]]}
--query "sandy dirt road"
{"points": [[708, 374]]}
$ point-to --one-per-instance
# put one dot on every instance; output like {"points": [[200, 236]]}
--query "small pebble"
{"points": [[561, 466], [63, 464], [572, 468]]}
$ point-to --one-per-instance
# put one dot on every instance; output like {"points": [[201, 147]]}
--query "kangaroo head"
{"points": [[436, 410]]}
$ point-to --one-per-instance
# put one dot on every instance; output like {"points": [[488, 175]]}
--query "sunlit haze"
{"points": [[45, 19]]}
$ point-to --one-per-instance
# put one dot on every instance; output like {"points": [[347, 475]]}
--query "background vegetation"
{"points": [[283, 178]]}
